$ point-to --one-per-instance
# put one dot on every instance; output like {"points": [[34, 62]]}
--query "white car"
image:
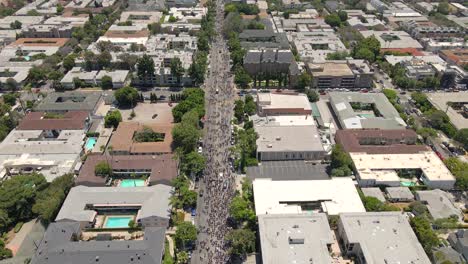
{"points": [[200, 149]]}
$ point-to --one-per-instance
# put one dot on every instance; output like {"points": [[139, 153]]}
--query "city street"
{"points": [[216, 188]]}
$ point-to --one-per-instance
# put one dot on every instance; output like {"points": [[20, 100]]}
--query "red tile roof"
{"points": [[412, 51], [73, 120]]}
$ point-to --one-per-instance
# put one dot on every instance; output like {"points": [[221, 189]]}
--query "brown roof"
{"points": [[458, 56], [412, 51], [127, 33], [73, 120], [122, 139], [163, 167], [49, 42], [392, 141]]}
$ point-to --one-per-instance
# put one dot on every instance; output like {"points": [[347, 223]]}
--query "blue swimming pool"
{"points": [[90, 143], [117, 221], [132, 183]]}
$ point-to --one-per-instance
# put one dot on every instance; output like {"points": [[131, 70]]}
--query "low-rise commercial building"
{"points": [[393, 39], [334, 196], [149, 205], [276, 104], [365, 110], [295, 238], [123, 142], [62, 102], [380, 237], [347, 74], [439, 203]]}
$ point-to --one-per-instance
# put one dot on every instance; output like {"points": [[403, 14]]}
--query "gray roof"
{"points": [[154, 201], [399, 193], [288, 171], [285, 138], [373, 192], [70, 101], [263, 56], [383, 237], [449, 254], [438, 203], [58, 247], [349, 118], [295, 238]]}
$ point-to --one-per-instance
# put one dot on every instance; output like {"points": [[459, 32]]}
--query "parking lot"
{"points": [[146, 111]]}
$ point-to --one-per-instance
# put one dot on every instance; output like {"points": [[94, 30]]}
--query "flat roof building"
{"points": [[123, 142], [373, 192], [60, 245], [290, 170], [281, 143], [393, 39], [455, 56], [295, 238], [314, 46], [348, 74], [52, 153], [160, 169], [399, 194], [150, 202], [273, 104], [334, 196], [382, 169], [439, 203], [63, 102], [380, 237], [365, 110]]}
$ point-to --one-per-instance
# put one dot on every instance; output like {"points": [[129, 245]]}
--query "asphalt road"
{"points": [[216, 188]]}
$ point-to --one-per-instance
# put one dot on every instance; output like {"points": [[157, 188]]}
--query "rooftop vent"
{"points": [[296, 240]]}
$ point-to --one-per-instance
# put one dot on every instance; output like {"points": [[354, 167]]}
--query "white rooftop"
{"points": [[335, 196], [283, 101]]}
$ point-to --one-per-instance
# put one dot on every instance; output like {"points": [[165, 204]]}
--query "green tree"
{"points": [[250, 107], [104, 60], [176, 69], [462, 137], [343, 15], [341, 163], [33, 12], [460, 170], [127, 96], [182, 257], [185, 137], [418, 208], [9, 99], [186, 233], [364, 53], [106, 82], [49, 200], [69, 62], [305, 80], [426, 236], [443, 8], [241, 210], [59, 9], [239, 110], [333, 20], [241, 241], [193, 99], [11, 84], [242, 78], [112, 119], [194, 163], [16, 25], [313, 96], [103, 169], [145, 68], [37, 75]]}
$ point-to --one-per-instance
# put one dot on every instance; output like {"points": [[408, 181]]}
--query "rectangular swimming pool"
{"points": [[90, 143], [132, 183], [117, 221]]}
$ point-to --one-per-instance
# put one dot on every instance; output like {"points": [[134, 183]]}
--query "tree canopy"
{"points": [[112, 119], [341, 163], [241, 241], [127, 96], [185, 234]]}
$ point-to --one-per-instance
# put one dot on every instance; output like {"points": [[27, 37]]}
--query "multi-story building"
{"points": [[348, 74], [455, 56], [427, 29], [272, 64], [418, 69]]}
